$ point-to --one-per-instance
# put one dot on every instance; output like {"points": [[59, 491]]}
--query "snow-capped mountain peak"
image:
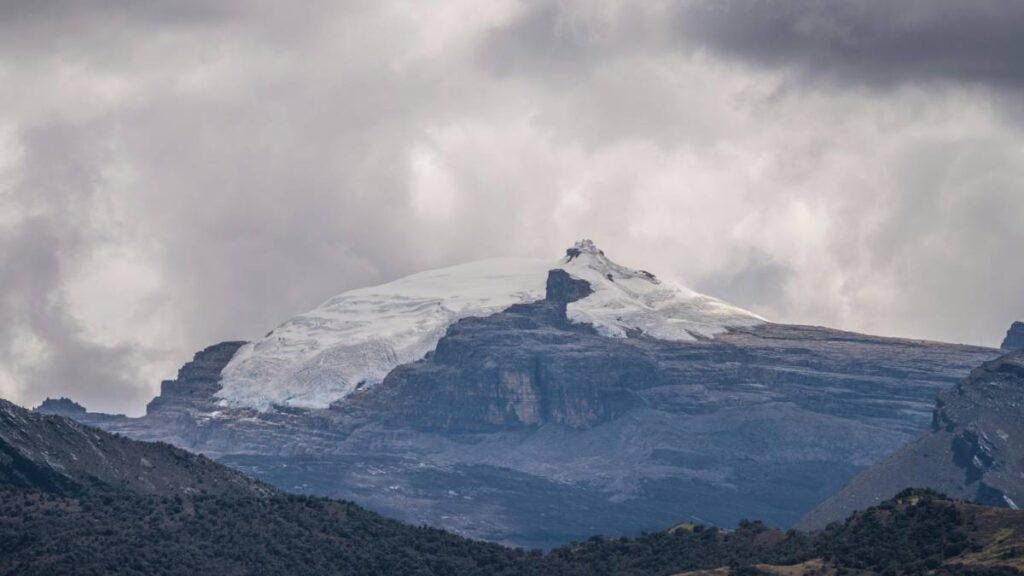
{"points": [[584, 254], [627, 300], [355, 338]]}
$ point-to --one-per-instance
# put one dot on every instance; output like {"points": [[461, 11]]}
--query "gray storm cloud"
{"points": [[875, 42], [43, 342], [172, 175]]}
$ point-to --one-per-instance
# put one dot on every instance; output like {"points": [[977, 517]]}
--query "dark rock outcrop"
{"points": [[1014, 337], [562, 288], [61, 406], [973, 451]]}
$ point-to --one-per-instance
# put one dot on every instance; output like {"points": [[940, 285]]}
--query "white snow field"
{"points": [[356, 338]]}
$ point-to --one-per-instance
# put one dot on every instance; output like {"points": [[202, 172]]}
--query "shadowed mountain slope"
{"points": [[973, 451], [61, 455]]}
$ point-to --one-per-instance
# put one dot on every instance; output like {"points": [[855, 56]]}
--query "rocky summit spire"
{"points": [[584, 254], [581, 247]]}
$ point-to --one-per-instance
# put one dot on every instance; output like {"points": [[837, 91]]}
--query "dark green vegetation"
{"points": [[917, 532], [63, 513], [118, 533], [114, 532]]}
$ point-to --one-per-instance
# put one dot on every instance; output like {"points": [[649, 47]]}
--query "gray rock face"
{"points": [[197, 380], [1014, 337], [527, 429], [186, 401], [562, 288], [974, 450]]}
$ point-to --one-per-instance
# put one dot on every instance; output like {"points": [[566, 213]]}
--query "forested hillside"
{"points": [[58, 517]]}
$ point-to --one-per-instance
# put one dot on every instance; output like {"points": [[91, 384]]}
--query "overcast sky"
{"points": [[173, 174]]}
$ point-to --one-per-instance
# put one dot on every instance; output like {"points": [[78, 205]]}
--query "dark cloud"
{"points": [[26, 12], [55, 31], [874, 42], [563, 41], [534, 38]]}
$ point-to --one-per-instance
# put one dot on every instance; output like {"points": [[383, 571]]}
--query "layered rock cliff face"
{"points": [[197, 380], [528, 428], [479, 380], [974, 450], [1014, 337], [529, 366]]}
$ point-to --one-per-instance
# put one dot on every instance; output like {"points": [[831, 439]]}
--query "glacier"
{"points": [[356, 338]]}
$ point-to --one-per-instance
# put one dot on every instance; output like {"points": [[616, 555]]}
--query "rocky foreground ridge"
{"points": [[530, 428]]}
